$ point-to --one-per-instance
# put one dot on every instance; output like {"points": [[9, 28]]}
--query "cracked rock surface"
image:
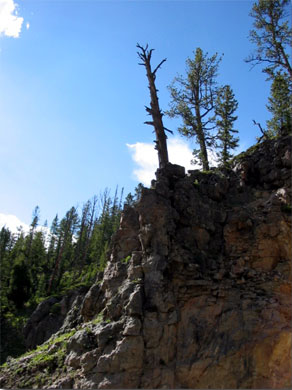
{"points": [[197, 289]]}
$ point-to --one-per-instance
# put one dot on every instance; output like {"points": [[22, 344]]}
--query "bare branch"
{"points": [[260, 127], [148, 110], [158, 66], [170, 131]]}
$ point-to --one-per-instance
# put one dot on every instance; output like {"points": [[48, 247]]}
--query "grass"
{"points": [[126, 260], [44, 347], [42, 363], [98, 319]]}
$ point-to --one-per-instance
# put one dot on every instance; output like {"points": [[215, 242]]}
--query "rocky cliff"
{"points": [[196, 293]]}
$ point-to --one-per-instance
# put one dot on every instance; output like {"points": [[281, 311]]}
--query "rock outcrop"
{"points": [[51, 315], [197, 290]]}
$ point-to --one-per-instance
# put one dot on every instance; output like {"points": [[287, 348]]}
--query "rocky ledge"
{"points": [[196, 293]]}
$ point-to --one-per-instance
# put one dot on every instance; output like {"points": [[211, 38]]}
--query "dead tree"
{"points": [[264, 133], [154, 111]]}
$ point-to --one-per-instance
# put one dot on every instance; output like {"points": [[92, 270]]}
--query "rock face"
{"points": [[51, 315], [197, 290]]}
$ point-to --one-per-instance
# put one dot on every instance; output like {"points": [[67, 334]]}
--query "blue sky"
{"points": [[72, 93]]}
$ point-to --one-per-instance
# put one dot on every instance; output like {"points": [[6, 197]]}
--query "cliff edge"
{"points": [[196, 292]]}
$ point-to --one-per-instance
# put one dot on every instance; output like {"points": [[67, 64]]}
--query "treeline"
{"points": [[45, 262]]}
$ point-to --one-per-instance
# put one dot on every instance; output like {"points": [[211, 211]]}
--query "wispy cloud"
{"points": [[10, 22]]}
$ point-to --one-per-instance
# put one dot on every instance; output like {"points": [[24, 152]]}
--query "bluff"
{"points": [[196, 292]]}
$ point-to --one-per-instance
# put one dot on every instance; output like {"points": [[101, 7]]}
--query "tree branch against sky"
{"points": [[272, 35]]}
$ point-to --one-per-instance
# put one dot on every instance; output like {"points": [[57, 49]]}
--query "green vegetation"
{"points": [[60, 340], [98, 319], [272, 37], [47, 360], [193, 100], [40, 264], [248, 152], [50, 262], [126, 260], [280, 105], [225, 107], [44, 263]]}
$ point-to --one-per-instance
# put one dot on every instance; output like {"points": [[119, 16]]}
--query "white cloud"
{"points": [[180, 153], [146, 159], [10, 22], [12, 223]]}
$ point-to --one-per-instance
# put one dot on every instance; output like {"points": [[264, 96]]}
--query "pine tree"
{"points": [[193, 99], [37, 260], [33, 226], [280, 105], [271, 35], [64, 249], [226, 105], [20, 282], [6, 244]]}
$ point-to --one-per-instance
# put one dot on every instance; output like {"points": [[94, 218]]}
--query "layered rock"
{"points": [[197, 290]]}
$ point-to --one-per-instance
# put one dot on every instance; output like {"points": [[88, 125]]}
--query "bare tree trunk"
{"points": [[154, 111]]}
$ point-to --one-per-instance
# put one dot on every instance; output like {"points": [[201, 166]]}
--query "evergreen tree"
{"points": [[131, 200], [20, 282], [37, 261], [272, 36], [5, 242], [193, 99], [226, 105], [6, 263], [33, 226], [64, 249], [35, 218], [104, 227], [280, 105]]}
